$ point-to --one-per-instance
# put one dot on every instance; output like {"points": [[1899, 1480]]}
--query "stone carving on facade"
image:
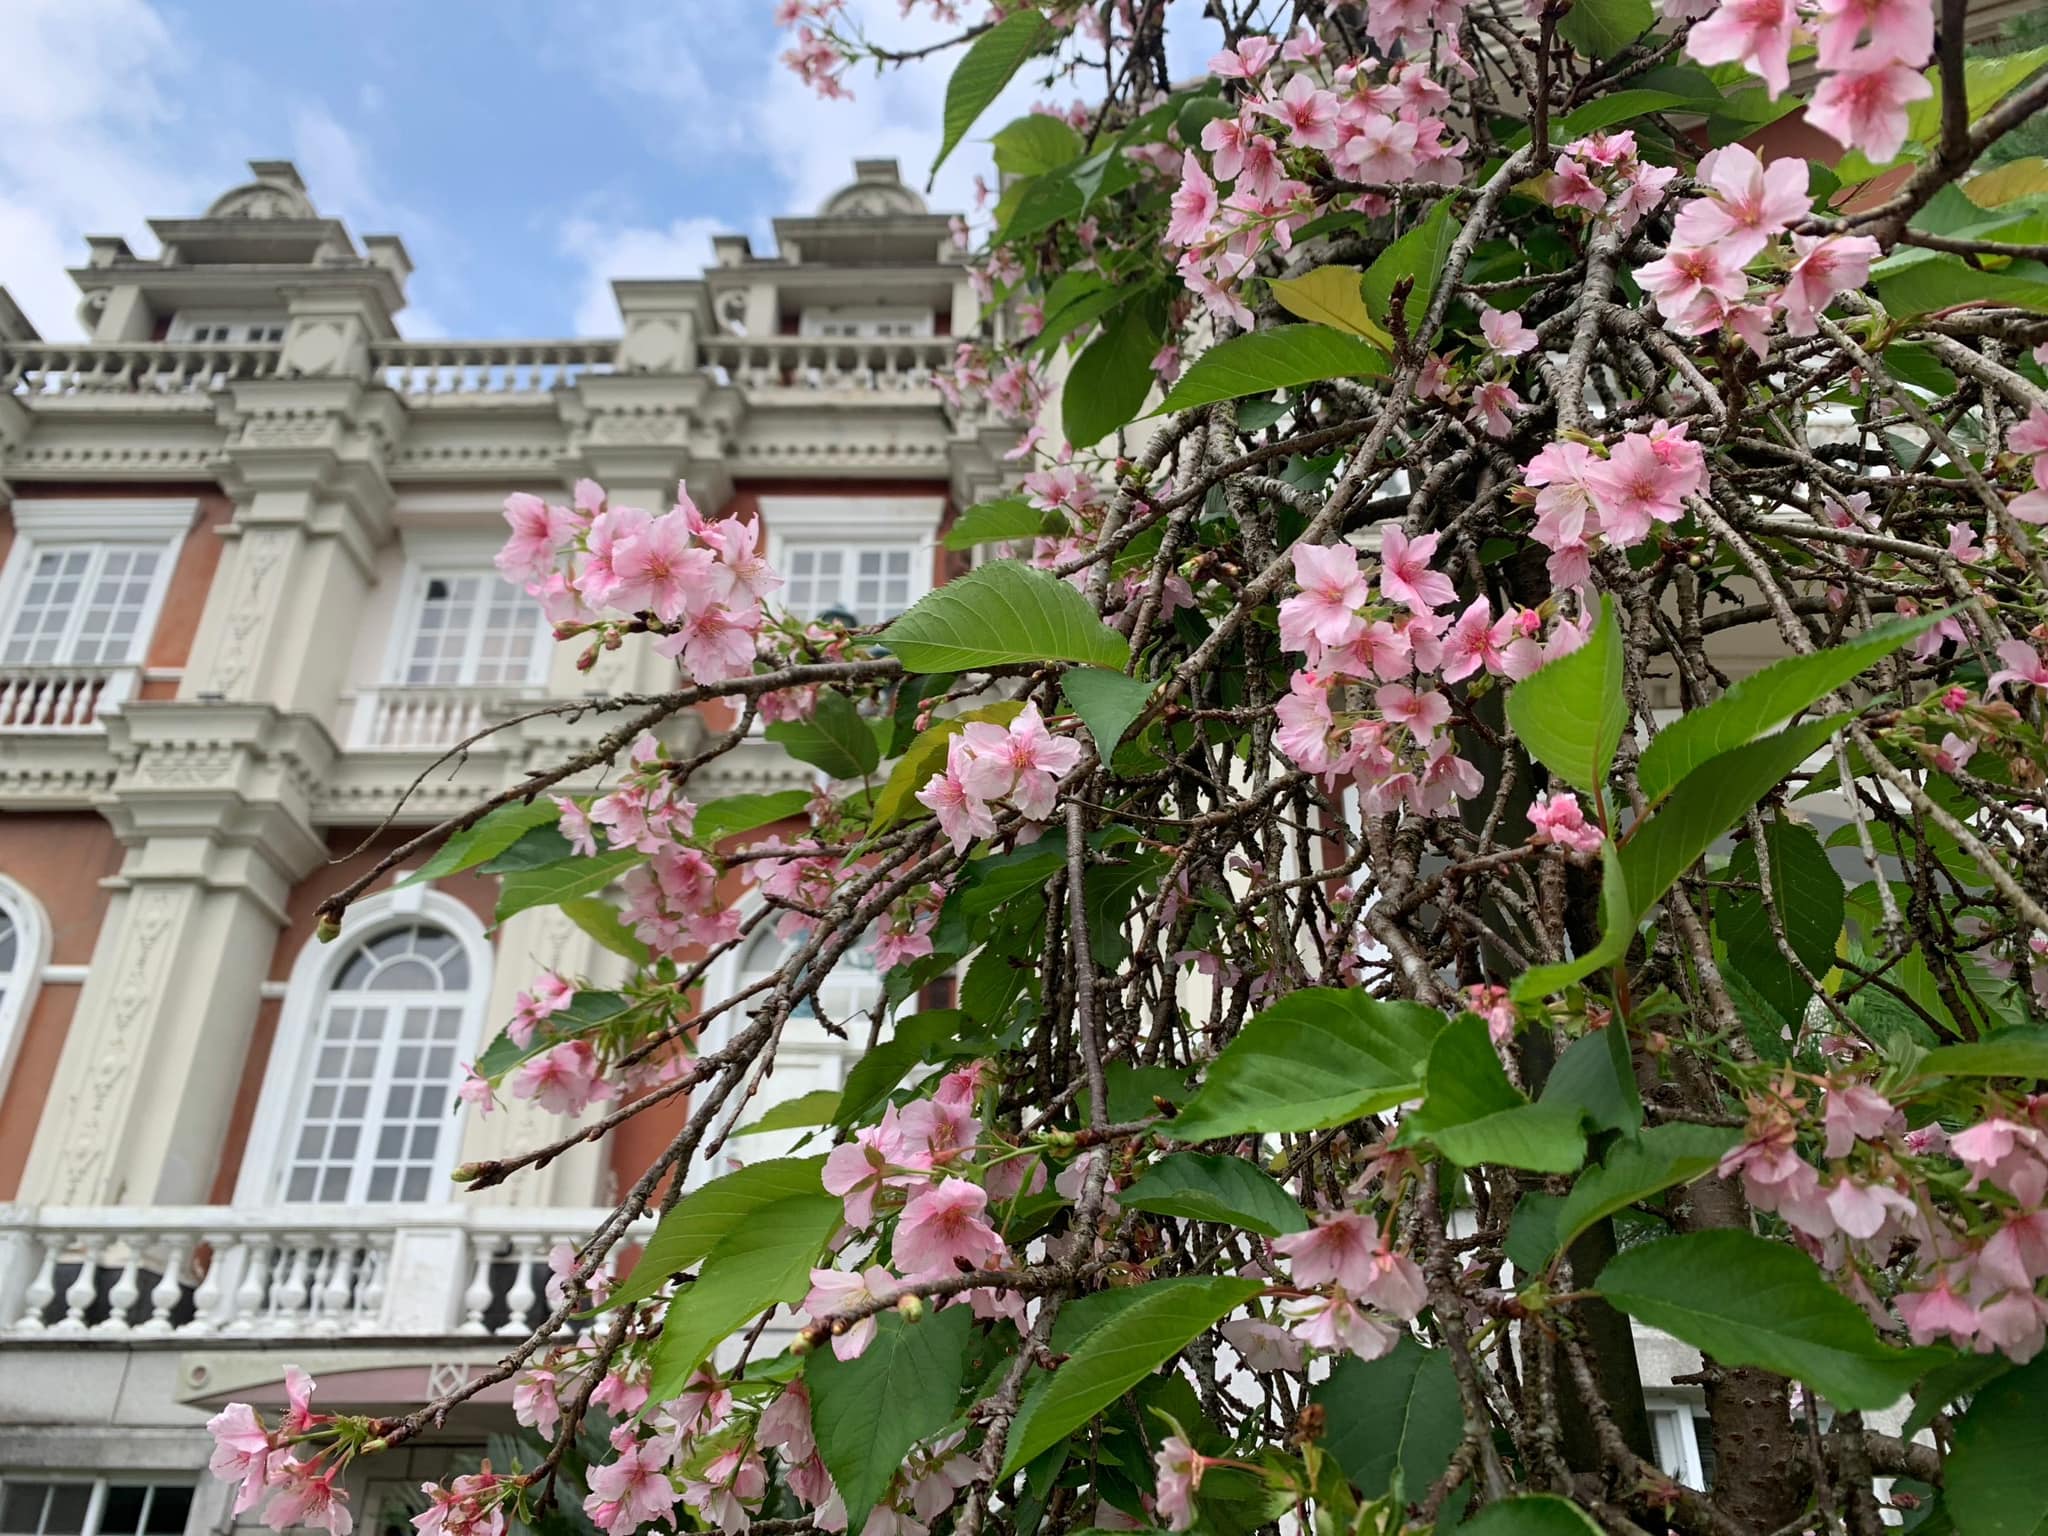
{"points": [[99, 1105], [261, 563], [262, 200]]}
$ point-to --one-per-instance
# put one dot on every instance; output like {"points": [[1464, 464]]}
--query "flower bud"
{"points": [[910, 1308], [329, 930], [467, 1173]]}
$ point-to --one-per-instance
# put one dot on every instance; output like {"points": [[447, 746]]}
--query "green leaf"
{"points": [[1001, 614], [1420, 255], [869, 1411], [1937, 280], [1263, 361], [837, 738], [721, 819], [704, 1217], [925, 758], [1997, 1476], [1808, 895], [981, 74], [1227, 1189], [817, 1107], [1399, 1413], [1571, 712], [1531, 1514], [1606, 112], [1331, 296], [491, 836], [1160, 1320], [1595, 1077], [1602, 28], [600, 919], [1318, 1057], [1035, 143], [1107, 386], [1636, 1168], [762, 1261], [1766, 1305], [1473, 1114], [1107, 703], [557, 883], [1762, 701], [884, 1065], [537, 848], [1960, 1376], [2009, 1053], [1708, 801], [991, 522]]}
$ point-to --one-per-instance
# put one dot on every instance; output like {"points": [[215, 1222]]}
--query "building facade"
{"points": [[246, 607]]}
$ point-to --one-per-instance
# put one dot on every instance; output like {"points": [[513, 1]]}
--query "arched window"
{"points": [[358, 1103], [852, 988], [24, 943]]}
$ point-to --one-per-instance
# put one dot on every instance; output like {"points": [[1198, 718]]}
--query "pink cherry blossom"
{"points": [[1684, 276], [1422, 713], [1938, 1313], [663, 571], [855, 1170], [731, 1484], [1177, 1473], [306, 1498], [564, 1080], [633, 1490], [1308, 112], [1334, 1323], [1899, 29], [1194, 204], [1754, 33], [943, 1226], [1853, 1111], [1477, 640], [1405, 576], [1632, 488], [241, 1450], [547, 995], [1325, 611], [1337, 1248], [539, 533], [2031, 435], [1559, 819], [534, 1402], [1023, 761], [475, 1090], [743, 574], [1393, 1282], [2019, 663], [1864, 105], [1505, 333], [1247, 61], [834, 1292], [1306, 724], [1751, 202], [1822, 267], [962, 815], [1494, 407], [1262, 1346]]}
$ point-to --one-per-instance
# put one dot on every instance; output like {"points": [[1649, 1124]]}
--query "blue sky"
{"points": [[526, 150]]}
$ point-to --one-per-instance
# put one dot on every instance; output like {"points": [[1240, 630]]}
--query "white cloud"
{"points": [[608, 248]]}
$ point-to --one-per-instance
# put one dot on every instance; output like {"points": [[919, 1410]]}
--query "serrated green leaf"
{"points": [[888, 1062], [1769, 1306], [1279, 358], [1617, 929], [702, 1219], [2009, 1053], [734, 814], [1637, 1167], [1035, 143], [1996, 1475], [817, 1107], [1107, 386], [1159, 1321], [763, 1261], [978, 79], [1595, 1077], [491, 836], [1472, 1114], [1570, 713], [991, 522], [1226, 1189], [869, 1411], [1764, 700], [1000, 614], [838, 738], [537, 848], [557, 883], [1808, 897], [1419, 255], [1397, 1413], [1532, 1514], [1318, 1057], [600, 919], [1107, 703], [1600, 29]]}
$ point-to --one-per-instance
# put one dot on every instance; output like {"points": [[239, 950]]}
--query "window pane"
{"points": [[66, 1512], [471, 630], [21, 1507], [168, 1511], [121, 1514]]}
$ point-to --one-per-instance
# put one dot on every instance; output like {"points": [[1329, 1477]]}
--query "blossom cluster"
{"points": [[695, 583], [302, 1491], [1019, 764], [1589, 497]]}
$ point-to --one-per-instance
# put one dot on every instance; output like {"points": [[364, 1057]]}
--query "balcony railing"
{"points": [[61, 700], [46, 369], [428, 370], [403, 718], [881, 365], [304, 1272]]}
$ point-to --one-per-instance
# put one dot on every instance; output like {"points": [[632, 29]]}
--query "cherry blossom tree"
{"points": [[1388, 957]]}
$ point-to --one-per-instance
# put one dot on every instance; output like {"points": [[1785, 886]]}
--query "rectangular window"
{"points": [[872, 582], [105, 1507], [471, 629], [1685, 1442], [85, 605], [227, 333], [866, 324]]}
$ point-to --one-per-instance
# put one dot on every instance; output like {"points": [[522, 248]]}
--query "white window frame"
{"points": [[428, 556], [267, 1154], [31, 956], [1677, 1442], [813, 320], [856, 523], [96, 1501], [243, 330], [41, 526]]}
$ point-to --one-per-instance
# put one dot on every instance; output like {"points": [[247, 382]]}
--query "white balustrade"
{"points": [[47, 369], [427, 370], [290, 1272], [57, 699], [863, 365], [402, 718]]}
